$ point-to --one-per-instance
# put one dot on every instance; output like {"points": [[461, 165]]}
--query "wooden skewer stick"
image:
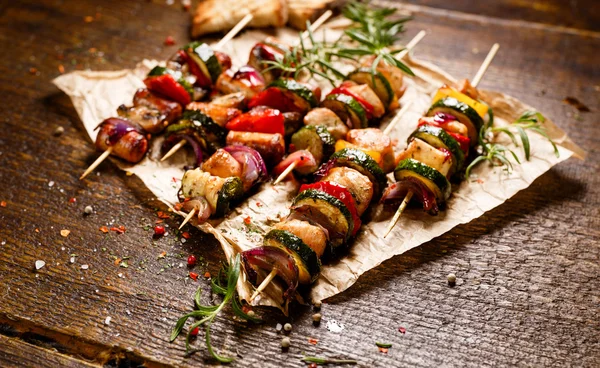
{"points": [[98, 161], [264, 284], [174, 149], [318, 23], [285, 172], [187, 218], [396, 118], [412, 44], [476, 80], [234, 31]]}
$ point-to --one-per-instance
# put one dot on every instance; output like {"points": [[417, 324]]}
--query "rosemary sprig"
{"points": [[207, 314], [319, 360], [495, 153]]}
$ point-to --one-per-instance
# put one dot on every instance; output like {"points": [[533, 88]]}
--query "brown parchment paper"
{"points": [[96, 95]]}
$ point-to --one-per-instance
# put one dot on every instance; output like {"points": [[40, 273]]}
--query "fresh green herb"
{"points": [[495, 153], [207, 314], [318, 360], [383, 345]]}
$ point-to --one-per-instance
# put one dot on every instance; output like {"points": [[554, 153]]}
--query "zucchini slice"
{"points": [[463, 112], [316, 139], [438, 138], [211, 135], [204, 56], [364, 164], [347, 109], [298, 89], [307, 261], [231, 191], [429, 176], [328, 211], [378, 83]]}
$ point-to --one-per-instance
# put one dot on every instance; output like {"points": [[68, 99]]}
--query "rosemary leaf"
{"points": [[319, 360]]}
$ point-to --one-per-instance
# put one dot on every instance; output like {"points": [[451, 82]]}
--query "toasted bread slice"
{"points": [[214, 16], [303, 10]]}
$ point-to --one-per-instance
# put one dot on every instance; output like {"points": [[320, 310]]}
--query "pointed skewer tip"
{"points": [[98, 161], [187, 218], [285, 173], [263, 284]]}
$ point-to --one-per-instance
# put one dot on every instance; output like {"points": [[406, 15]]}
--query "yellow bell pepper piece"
{"points": [[446, 91], [376, 156]]}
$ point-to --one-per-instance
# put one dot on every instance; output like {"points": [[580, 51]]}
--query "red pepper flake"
{"points": [[61, 69], [313, 365], [159, 230], [88, 19], [247, 220], [194, 332], [207, 274], [73, 200], [3, 204], [246, 309], [191, 261], [98, 16], [194, 276], [402, 330], [480, 181], [163, 215], [313, 341], [119, 230], [187, 199], [37, 230], [117, 261], [33, 71], [159, 221], [169, 41], [162, 255], [104, 229], [178, 206], [383, 350], [175, 180], [185, 235], [92, 50], [258, 204]]}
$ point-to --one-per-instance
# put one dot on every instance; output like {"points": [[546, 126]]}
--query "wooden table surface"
{"points": [[528, 290]]}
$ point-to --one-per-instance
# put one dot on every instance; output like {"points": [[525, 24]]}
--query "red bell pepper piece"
{"points": [[258, 120], [463, 142], [202, 79], [343, 90], [341, 193], [167, 86], [275, 98]]}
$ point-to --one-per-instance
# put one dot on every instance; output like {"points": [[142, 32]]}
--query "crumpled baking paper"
{"points": [[97, 94]]}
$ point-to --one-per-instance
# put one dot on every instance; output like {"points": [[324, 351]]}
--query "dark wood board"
{"points": [[528, 287]]}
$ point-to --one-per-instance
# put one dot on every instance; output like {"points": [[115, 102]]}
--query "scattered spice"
{"points": [[118, 230], [194, 276], [117, 261], [319, 360], [169, 41], [64, 233], [107, 321], [61, 69], [162, 255], [39, 264], [313, 341], [580, 106], [258, 204], [451, 279], [85, 267], [3, 204], [191, 260], [194, 332], [163, 215], [316, 318], [159, 230], [313, 365], [317, 305], [247, 220], [185, 235], [88, 210], [72, 200], [402, 330], [383, 350], [285, 342], [59, 131], [33, 71], [207, 274], [104, 229], [159, 221], [88, 19], [287, 327], [178, 206], [37, 230]]}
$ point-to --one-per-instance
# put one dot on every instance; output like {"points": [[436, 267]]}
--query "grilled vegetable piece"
{"points": [[452, 126], [312, 235], [234, 100], [200, 206], [127, 141], [200, 128], [315, 139], [246, 79], [438, 138], [270, 146], [430, 177], [151, 112], [463, 112], [253, 166], [222, 164], [364, 95], [394, 76], [219, 192], [292, 122], [219, 114], [287, 95], [272, 50], [265, 259], [304, 160], [359, 161], [358, 184], [326, 117], [378, 83], [466, 88], [447, 91], [260, 119], [170, 84], [420, 150], [373, 139], [350, 111], [306, 259], [327, 211]]}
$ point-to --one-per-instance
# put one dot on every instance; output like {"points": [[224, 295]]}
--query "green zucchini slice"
{"points": [[231, 191], [212, 135], [204, 56], [463, 112], [347, 109], [364, 164], [438, 138], [328, 211], [316, 139], [299, 89], [433, 179], [378, 83], [307, 261]]}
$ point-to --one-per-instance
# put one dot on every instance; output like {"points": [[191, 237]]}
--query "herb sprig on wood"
{"points": [[224, 284], [497, 154]]}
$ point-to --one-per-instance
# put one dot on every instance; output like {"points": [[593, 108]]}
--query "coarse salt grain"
{"points": [[39, 264], [107, 321], [84, 267]]}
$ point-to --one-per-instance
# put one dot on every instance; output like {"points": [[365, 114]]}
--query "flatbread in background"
{"points": [[212, 16], [96, 95]]}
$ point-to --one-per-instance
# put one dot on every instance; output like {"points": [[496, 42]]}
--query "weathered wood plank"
{"points": [[528, 286]]}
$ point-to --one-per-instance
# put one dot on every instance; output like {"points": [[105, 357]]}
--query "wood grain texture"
{"points": [[528, 290]]}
